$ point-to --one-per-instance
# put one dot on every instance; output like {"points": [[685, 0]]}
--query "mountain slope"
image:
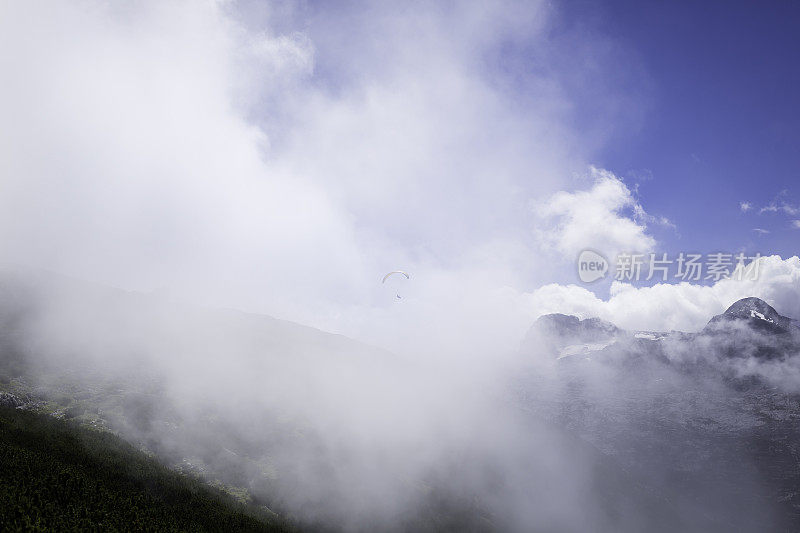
{"points": [[56, 476], [711, 418], [93, 355]]}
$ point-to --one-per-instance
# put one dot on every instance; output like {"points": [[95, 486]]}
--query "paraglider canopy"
{"points": [[395, 272]]}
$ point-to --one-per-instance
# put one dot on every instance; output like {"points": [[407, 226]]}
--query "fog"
{"points": [[267, 157], [328, 431], [199, 201]]}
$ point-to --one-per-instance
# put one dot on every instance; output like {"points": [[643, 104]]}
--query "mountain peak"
{"points": [[755, 312], [569, 325], [555, 332], [751, 307]]}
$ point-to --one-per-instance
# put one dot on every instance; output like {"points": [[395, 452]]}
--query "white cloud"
{"points": [[683, 306], [780, 205], [796, 224], [745, 206], [607, 218], [761, 231], [780, 208], [284, 167]]}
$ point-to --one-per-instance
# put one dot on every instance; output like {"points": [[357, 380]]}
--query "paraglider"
{"points": [[394, 272], [398, 272]]}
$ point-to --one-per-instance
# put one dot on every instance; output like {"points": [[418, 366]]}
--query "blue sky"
{"points": [[721, 116]]}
